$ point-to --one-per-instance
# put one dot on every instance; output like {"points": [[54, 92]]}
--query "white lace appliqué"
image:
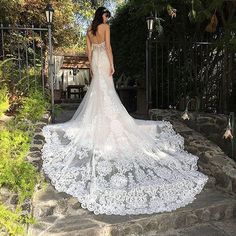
{"points": [[115, 164]]}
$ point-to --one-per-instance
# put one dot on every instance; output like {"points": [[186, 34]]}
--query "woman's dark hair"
{"points": [[97, 20]]}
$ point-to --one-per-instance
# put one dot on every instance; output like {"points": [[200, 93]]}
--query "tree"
{"points": [[32, 12], [129, 32]]}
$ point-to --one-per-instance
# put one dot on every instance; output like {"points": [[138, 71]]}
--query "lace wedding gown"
{"points": [[113, 163]]}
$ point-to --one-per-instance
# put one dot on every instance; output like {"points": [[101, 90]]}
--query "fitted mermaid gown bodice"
{"points": [[113, 163]]}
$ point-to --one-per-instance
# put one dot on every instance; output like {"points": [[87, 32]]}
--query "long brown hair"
{"points": [[97, 20]]}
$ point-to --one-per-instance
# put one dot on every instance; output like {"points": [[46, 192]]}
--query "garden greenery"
{"points": [[129, 30], [11, 221], [4, 100], [16, 174], [33, 106], [173, 50]]}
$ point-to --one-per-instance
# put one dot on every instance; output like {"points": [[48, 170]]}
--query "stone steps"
{"points": [[214, 228], [59, 214]]}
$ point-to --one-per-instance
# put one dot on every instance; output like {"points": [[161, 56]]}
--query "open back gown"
{"points": [[113, 163]]}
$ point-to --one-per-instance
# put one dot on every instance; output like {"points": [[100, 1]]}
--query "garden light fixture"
{"points": [[150, 24], [49, 13]]}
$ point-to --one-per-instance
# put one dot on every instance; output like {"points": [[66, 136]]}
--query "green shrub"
{"points": [[16, 173], [13, 143], [18, 87], [7, 71], [25, 101], [21, 177], [31, 79], [4, 100], [10, 221], [33, 106]]}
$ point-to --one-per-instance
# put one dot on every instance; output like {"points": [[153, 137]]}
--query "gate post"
{"points": [[49, 14], [148, 75], [150, 22], [50, 71]]}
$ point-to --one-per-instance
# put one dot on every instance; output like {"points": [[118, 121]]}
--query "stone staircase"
{"points": [[213, 213], [60, 214]]}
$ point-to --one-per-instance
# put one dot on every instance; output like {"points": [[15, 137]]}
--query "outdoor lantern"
{"points": [[150, 23], [49, 13]]}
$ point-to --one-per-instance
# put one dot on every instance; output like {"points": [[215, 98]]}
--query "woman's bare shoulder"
{"points": [[103, 25]]}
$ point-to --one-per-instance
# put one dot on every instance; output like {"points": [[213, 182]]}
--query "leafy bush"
{"points": [[19, 176], [13, 143], [20, 94], [4, 101], [22, 86], [31, 79], [33, 106], [16, 173], [10, 221], [7, 71]]}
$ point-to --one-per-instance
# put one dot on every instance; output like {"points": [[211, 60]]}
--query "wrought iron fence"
{"points": [[25, 48], [30, 51], [197, 70], [197, 75]]}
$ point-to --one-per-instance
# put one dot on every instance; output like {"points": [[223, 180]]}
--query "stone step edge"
{"points": [[185, 219], [223, 168], [211, 164], [165, 221]]}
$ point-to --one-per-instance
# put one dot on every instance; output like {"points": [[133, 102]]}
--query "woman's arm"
{"points": [[89, 51], [88, 48], [108, 48]]}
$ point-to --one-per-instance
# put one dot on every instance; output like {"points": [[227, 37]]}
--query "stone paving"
{"points": [[215, 228], [61, 214], [212, 213]]}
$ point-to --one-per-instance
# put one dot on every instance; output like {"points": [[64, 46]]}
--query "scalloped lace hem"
{"points": [[137, 183]]}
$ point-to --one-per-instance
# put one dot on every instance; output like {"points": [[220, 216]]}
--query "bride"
{"points": [[111, 162]]}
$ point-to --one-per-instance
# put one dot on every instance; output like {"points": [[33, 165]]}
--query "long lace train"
{"points": [[113, 163]]}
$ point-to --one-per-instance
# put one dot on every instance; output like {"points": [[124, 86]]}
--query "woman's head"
{"points": [[101, 16]]}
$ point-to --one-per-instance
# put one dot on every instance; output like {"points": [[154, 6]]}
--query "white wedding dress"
{"points": [[113, 163]]}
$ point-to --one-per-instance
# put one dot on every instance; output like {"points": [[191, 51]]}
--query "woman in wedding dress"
{"points": [[111, 162]]}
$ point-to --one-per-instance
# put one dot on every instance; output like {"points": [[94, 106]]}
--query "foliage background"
{"points": [[129, 30], [71, 18], [129, 33], [16, 173]]}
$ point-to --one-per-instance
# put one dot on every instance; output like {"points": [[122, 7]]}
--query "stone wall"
{"points": [[212, 126], [212, 160]]}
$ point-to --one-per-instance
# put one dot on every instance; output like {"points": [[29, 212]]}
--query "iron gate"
{"points": [[26, 48], [180, 71]]}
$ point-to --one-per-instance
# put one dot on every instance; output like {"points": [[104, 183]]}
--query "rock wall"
{"points": [[212, 126], [212, 159]]}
